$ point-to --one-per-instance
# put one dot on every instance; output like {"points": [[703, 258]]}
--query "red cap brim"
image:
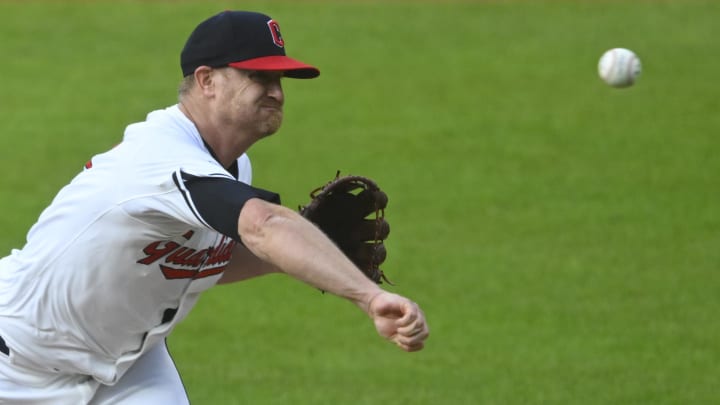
{"points": [[292, 68]]}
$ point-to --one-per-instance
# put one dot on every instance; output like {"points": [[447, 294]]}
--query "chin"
{"points": [[273, 125]]}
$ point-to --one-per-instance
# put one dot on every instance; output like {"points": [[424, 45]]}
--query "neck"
{"points": [[226, 146]]}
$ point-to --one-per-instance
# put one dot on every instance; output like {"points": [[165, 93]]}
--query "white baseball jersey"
{"points": [[121, 255]]}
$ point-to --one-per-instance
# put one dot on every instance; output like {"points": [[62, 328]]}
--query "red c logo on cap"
{"points": [[275, 32]]}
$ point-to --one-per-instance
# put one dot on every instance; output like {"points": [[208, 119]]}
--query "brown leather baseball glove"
{"points": [[351, 212]]}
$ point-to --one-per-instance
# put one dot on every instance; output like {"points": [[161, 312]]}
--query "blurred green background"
{"points": [[562, 236]]}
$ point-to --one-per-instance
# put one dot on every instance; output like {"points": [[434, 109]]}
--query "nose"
{"points": [[274, 90]]}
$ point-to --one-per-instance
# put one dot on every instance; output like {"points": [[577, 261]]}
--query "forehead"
{"points": [[262, 74]]}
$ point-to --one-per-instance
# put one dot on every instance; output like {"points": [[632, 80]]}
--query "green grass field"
{"points": [[562, 236]]}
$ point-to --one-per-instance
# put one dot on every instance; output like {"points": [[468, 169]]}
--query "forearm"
{"points": [[287, 241]]}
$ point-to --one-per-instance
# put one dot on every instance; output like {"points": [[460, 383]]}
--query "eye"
{"points": [[264, 77]]}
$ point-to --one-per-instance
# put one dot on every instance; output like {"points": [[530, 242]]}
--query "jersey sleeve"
{"points": [[216, 201]]}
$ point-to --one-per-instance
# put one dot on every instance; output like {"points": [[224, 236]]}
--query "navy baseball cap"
{"points": [[243, 40]]}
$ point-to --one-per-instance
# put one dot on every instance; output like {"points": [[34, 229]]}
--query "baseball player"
{"points": [[122, 253]]}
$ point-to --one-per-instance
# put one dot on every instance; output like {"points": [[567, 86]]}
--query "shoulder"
{"points": [[166, 135], [167, 125]]}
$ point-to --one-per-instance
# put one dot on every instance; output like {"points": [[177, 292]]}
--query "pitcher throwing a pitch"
{"points": [[122, 253]]}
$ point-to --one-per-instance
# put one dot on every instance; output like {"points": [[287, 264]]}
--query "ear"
{"points": [[204, 79]]}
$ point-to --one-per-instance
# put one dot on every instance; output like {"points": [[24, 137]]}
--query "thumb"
{"points": [[386, 305]]}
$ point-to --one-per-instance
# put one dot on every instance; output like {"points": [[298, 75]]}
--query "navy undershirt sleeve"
{"points": [[218, 200]]}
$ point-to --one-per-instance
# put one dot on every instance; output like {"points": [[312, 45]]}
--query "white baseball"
{"points": [[619, 67]]}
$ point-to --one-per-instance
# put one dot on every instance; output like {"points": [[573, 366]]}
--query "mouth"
{"points": [[271, 103], [274, 107]]}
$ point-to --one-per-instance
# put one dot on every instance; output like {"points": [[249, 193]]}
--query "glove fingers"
{"points": [[370, 230], [367, 255], [342, 206], [347, 206], [370, 201]]}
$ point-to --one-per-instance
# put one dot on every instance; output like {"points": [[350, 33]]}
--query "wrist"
{"points": [[371, 299]]}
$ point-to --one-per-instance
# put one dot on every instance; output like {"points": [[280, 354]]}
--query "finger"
{"points": [[419, 332], [411, 312], [413, 329], [411, 348], [412, 343]]}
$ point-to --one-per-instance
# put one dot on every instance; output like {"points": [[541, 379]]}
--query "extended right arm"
{"points": [[276, 238], [295, 246]]}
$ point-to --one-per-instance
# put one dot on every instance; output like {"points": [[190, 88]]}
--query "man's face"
{"points": [[250, 102]]}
